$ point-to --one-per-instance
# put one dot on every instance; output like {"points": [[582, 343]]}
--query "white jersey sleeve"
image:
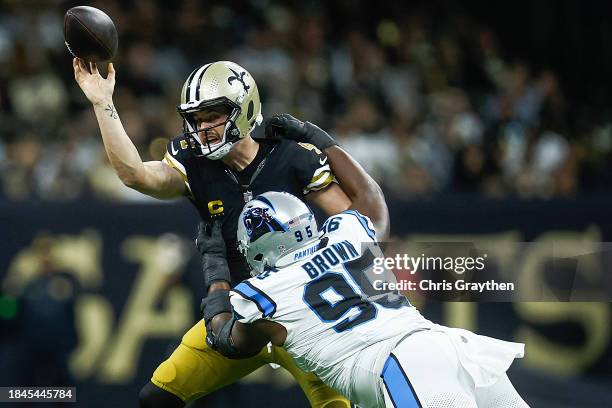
{"points": [[250, 303], [350, 225]]}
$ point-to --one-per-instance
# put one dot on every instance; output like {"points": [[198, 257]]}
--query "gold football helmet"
{"points": [[220, 84]]}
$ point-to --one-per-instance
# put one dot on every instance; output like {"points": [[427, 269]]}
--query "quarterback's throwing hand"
{"points": [[288, 127], [97, 89]]}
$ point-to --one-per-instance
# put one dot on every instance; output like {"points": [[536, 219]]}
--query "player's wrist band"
{"points": [[318, 137]]}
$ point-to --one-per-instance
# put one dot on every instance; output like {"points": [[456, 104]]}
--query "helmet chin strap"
{"points": [[221, 152]]}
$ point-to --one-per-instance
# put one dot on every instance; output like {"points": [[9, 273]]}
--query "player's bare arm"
{"points": [[332, 199], [154, 178], [363, 192]]}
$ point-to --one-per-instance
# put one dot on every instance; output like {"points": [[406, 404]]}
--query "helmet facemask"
{"points": [[199, 137]]}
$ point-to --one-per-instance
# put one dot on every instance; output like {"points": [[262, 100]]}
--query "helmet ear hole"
{"points": [[258, 257], [250, 110]]}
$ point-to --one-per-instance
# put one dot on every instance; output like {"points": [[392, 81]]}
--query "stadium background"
{"points": [[483, 120]]}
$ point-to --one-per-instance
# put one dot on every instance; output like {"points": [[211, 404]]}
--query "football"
{"points": [[90, 34]]}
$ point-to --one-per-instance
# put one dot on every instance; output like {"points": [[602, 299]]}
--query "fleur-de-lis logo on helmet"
{"points": [[238, 77]]}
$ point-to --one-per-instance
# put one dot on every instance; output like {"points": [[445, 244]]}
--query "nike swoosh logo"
{"points": [[323, 161], [174, 152]]}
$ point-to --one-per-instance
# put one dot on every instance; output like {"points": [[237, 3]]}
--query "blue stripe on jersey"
{"points": [[364, 223], [398, 386], [266, 306]]}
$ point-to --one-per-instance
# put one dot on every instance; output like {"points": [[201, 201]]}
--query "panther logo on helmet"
{"points": [[272, 227], [258, 221]]}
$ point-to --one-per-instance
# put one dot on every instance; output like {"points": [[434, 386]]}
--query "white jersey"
{"points": [[325, 301]]}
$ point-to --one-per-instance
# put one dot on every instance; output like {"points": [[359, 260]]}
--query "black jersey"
{"points": [[220, 192]]}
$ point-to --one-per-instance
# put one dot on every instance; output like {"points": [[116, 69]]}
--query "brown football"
{"points": [[90, 34]]}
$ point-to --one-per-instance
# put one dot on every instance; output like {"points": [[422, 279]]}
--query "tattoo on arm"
{"points": [[112, 112]]}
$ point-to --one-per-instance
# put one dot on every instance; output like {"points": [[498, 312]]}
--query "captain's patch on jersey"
{"points": [[215, 207]]}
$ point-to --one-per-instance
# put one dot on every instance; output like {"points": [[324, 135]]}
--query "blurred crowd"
{"points": [[429, 106]]}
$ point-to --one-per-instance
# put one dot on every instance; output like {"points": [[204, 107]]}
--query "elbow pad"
{"points": [[222, 341], [216, 303]]}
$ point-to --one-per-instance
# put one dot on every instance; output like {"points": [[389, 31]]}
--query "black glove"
{"points": [[288, 127], [211, 245]]}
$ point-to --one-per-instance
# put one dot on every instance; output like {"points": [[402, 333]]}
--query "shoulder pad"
{"points": [[178, 153], [309, 146], [312, 167]]}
